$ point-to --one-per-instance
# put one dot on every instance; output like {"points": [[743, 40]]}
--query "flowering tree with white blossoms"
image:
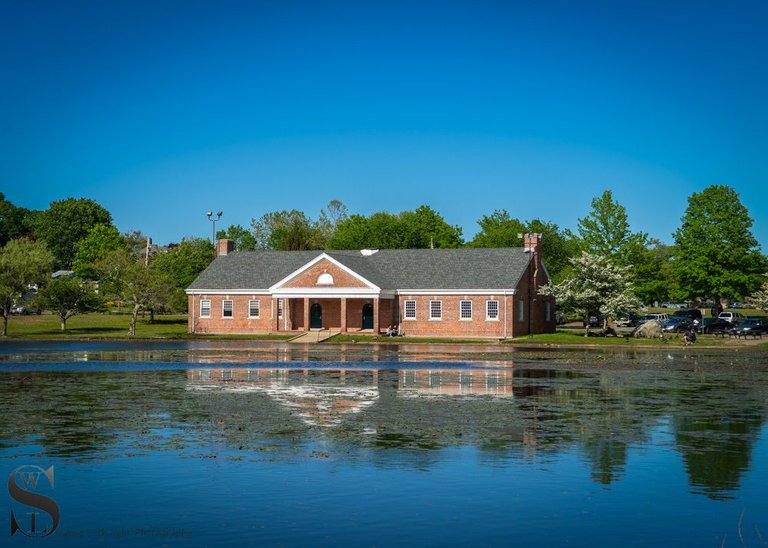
{"points": [[596, 285], [759, 299]]}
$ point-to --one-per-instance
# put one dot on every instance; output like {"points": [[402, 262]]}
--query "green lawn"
{"points": [[562, 337], [111, 326], [576, 336], [115, 326]]}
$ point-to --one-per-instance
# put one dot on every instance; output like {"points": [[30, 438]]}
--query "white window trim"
{"points": [[258, 309], [209, 308], [223, 317], [405, 310], [435, 318], [462, 319], [488, 317]]}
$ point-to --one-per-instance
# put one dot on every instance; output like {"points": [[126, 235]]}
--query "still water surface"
{"points": [[205, 444]]}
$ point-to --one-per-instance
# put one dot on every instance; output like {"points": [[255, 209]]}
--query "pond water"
{"points": [[199, 443]]}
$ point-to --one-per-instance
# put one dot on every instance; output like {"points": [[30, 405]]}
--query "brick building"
{"points": [[485, 293]]}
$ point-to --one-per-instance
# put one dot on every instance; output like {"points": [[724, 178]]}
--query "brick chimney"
{"points": [[531, 242], [224, 247], [532, 245]]}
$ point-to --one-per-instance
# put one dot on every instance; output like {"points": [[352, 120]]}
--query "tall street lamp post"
{"points": [[210, 218]]}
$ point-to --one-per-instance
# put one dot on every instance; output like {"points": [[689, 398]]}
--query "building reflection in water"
{"points": [[318, 397], [323, 397], [453, 382]]}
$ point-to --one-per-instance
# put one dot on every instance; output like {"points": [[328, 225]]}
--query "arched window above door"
{"points": [[325, 279]]}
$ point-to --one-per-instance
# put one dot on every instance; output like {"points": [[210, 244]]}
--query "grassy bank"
{"points": [[561, 338], [115, 326], [111, 326], [576, 337]]}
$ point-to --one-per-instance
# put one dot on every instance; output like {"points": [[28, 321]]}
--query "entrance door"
{"points": [[367, 316], [316, 316]]}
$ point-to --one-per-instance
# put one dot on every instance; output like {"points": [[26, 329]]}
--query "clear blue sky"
{"points": [[162, 110]]}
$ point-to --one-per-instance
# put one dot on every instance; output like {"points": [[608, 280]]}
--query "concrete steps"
{"points": [[314, 337]]}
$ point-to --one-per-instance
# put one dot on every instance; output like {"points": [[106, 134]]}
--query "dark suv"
{"points": [[713, 325], [690, 314], [751, 326], [593, 320]]}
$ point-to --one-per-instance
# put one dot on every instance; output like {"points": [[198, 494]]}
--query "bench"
{"points": [[745, 335]]}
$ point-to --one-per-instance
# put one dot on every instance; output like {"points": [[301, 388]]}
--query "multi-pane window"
{"points": [[492, 310], [227, 308], [253, 309], [410, 310], [279, 308], [205, 308], [435, 310], [465, 310]]}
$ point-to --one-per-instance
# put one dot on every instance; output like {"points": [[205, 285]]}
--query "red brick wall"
{"points": [[308, 278], [451, 325], [239, 323], [535, 306]]}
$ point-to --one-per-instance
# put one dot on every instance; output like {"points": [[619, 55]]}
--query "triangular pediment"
{"points": [[324, 273]]}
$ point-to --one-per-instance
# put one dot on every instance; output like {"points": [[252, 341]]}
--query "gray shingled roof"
{"points": [[468, 268]]}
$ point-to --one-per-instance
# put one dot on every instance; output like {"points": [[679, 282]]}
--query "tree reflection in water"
{"points": [[393, 417]]}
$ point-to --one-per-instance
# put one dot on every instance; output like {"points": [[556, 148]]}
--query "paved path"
{"points": [[314, 336]]}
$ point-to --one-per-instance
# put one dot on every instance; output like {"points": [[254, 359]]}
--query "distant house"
{"points": [[470, 292], [63, 274]]}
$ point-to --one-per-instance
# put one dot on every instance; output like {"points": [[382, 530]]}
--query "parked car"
{"points": [[593, 320], [19, 309], [751, 326], [676, 324], [731, 317], [627, 320], [690, 314], [661, 318], [713, 325]]}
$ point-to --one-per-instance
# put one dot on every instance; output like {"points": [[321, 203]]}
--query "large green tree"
{"points": [[330, 217], [65, 223], [287, 231], [654, 279], [23, 262], [606, 231], [380, 230], [427, 228], [717, 255], [95, 246], [13, 221], [66, 297], [243, 238], [557, 246], [181, 265], [125, 275], [418, 229]]}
